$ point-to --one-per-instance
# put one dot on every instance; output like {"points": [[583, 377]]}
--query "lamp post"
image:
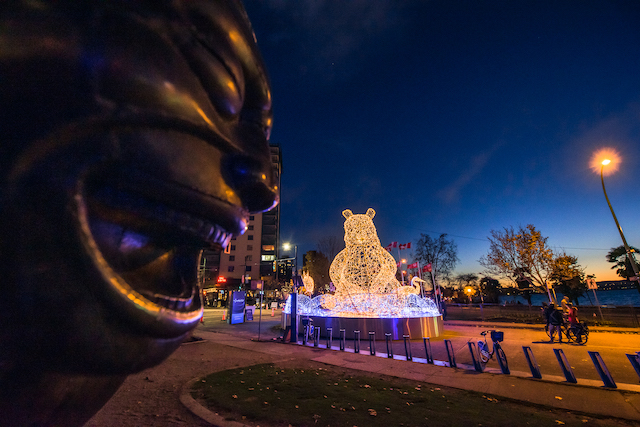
{"points": [[294, 296], [286, 247], [632, 261]]}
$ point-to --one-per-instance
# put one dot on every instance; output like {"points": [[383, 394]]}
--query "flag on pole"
{"points": [[414, 265], [398, 264], [405, 246], [388, 247], [426, 268], [393, 244]]}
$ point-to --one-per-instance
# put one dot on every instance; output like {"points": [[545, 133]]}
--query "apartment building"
{"points": [[251, 256]]}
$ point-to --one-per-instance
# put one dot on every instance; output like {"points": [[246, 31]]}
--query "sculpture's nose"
{"points": [[253, 180]]}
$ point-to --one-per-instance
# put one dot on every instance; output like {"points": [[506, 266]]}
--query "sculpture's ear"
{"points": [[371, 213], [347, 213]]}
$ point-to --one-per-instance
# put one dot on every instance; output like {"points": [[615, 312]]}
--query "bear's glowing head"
{"points": [[359, 228]]}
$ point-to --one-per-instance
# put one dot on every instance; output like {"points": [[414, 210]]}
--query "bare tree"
{"points": [[330, 246], [441, 253]]}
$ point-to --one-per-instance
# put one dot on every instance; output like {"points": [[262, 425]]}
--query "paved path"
{"points": [[151, 398]]}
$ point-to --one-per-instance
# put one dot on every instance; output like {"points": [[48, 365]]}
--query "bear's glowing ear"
{"points": [[347, 213], [371, 213]]}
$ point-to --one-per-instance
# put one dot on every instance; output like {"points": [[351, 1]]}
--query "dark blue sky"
{"points": [[456, 117]]}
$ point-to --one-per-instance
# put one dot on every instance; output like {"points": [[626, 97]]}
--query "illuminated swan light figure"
{"points": [[364, 277]]}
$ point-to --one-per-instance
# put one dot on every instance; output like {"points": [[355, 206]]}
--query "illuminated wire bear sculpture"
{"points": [[364, 278], [364, 266]]}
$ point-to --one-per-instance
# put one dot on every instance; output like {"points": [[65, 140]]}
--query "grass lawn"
{"points": [[307, 393]]}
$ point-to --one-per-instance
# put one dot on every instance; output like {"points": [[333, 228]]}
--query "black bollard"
{"points": [[356, 341], [329, 337], [372, 343], [343, 338], [407, 348], [427, 349], [475, 357], [316, 337], [387, 337], [450, 354]]}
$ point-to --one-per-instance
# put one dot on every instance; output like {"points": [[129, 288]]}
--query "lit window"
{"points": [[268, 248], [268, 258]]}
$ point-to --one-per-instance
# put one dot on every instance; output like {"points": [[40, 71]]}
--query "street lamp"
{"points": [[470, 292], [632, 261], [286, 247]]}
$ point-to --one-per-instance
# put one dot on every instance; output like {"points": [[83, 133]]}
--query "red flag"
{"points": [[398, 264], [414, 265], [405, 246], [393, 244], [426, 268]]}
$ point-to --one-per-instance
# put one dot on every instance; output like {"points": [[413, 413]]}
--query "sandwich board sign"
{"points": [[237, 307]]}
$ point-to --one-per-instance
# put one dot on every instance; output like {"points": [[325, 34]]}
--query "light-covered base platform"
{"points": [[415, 327]]}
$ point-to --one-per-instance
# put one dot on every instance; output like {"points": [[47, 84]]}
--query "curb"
{"points": [[201, 412], [536, 326]]}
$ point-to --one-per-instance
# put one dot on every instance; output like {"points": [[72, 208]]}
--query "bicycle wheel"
{"points": [[581, 335], [502, 359], [482, 351]]}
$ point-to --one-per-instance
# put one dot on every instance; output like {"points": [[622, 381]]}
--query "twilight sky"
{"points": [[456, 117]]}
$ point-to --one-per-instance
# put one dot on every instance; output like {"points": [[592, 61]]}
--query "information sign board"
{"points": [[237, 307]]}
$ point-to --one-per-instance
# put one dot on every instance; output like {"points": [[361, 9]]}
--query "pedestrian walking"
{"points": [[555, 321], [572, 315]]}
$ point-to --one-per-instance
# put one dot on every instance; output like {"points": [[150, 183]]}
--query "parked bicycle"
{"points": [[487, 353]]}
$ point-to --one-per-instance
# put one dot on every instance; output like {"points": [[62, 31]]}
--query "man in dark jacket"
{"points": [[555, 321]]}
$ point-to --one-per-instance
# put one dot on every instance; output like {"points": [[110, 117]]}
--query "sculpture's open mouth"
{"points": [[148, 252]]}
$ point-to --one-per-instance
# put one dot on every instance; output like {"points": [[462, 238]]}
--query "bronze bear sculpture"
{"points": [[134, 133]]}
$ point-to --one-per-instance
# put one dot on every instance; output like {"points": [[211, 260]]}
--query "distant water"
{"points": [[609, 298]]}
